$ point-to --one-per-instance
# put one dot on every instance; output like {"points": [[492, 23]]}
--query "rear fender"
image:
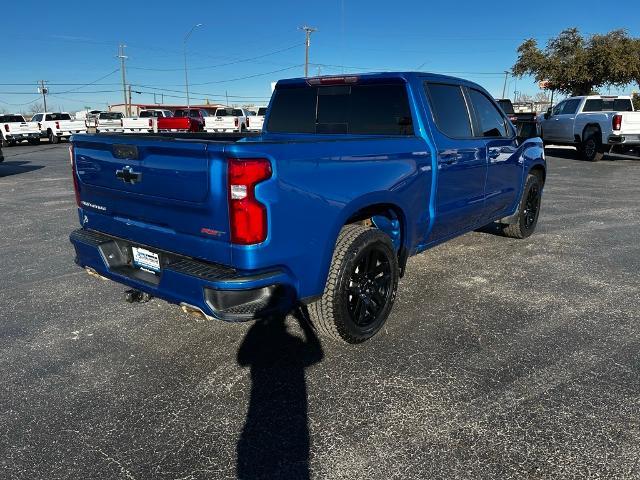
{"points": [[397, 228]]}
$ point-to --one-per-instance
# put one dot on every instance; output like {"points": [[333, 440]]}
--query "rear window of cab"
{"points": [[341, 109]]}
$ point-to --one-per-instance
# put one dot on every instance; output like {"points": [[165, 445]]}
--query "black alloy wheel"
{"points": [[370, 287], [528, 210], [360, 288]]}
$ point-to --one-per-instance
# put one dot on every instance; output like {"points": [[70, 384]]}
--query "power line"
{"points": [[21, 104], [220, 64], [249, 76], [90, 83]]}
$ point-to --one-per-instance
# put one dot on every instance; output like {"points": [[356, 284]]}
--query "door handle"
{"points": [[448, 160]]}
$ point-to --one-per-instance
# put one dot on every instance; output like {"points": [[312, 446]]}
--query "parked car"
{"points": [[255, 122], [525, 122], [15, 129], [594, 124], [109, 122], [146, 121], [227, 119], [90, 117], [58, 125], [183, 120], [322, 210]]}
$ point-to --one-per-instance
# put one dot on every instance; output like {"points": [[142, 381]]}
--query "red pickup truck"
{"points": [[187, 120]]}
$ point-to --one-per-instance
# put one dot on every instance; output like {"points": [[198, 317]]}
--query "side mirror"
{"points": [[547, 114]]}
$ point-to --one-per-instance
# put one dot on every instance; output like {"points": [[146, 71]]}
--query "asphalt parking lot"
{"points": [[502, 358]]}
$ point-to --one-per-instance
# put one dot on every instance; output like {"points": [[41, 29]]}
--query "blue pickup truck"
{"points": [[350, 176]]}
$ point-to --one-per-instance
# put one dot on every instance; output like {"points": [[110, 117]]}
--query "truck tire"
{"points": [[4, 143], [361, 286], [591, 148], [53, 138], [528, 209]]}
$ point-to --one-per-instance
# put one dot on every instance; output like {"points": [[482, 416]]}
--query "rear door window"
{"points": [[450, 111], [492, 123], [571, 106]]}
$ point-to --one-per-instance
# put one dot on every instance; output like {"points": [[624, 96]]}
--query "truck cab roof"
{"points": [[375, 77]]}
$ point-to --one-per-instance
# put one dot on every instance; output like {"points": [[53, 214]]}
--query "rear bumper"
{"points": [[624, 139], [221, 130], [22, 136], [64, 133], [218, 291]]}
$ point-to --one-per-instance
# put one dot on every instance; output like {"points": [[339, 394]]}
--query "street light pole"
{"points": [[186, 76]]}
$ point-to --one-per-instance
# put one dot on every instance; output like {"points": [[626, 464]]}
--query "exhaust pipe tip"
{"points": [[95, 274], [195, 311]]}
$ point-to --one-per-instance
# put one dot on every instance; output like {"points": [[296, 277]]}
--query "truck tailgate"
{"points": [[174, 192], [21, 128], [630, 123]]}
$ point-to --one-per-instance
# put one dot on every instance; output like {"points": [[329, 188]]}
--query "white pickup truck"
{"points": [[14, 129], [255, 122], [226, 119], [594, 124], [146, 121], [58, 125], [108, 122]]}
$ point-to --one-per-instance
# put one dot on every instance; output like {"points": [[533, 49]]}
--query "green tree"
{"points": [[636, 101], [578, 65]]}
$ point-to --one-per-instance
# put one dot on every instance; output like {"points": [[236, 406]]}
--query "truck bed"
{"points": [[194, 136]]}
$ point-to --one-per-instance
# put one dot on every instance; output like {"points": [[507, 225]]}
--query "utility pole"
{"points": [[43, 90], [122, 58], [184, 48], [504, 88], [308, 31]]}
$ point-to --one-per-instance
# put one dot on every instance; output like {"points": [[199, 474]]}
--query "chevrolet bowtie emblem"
{"points": [[127, 175]]}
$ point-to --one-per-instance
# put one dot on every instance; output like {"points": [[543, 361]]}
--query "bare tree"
{"points": [[36, 107], [541, 97]]}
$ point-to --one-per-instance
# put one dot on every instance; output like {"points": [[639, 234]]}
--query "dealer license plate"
{"points": [[145, 259]]}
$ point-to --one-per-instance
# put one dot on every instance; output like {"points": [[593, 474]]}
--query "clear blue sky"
{"points": [[77, 44]]}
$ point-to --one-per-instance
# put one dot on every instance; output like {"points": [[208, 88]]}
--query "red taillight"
{"points": [[121, 123], [236, 121], [333, 80], [57, 125], [6, 127], [150, 123], [76, 185], [247, 122], [616, 122], [247, 216]]}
